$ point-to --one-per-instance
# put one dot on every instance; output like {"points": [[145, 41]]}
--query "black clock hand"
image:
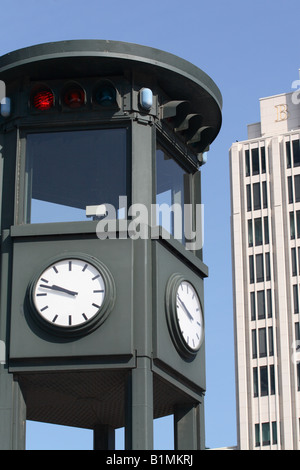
{"points": [[59, 289], [185, 309]]}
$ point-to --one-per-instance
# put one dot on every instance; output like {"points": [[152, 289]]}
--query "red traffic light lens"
{"points": [[43, 99], [74, 97]]}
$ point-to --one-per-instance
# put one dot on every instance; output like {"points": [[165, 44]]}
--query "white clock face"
{"points": [[69, 292], [189, 315]]}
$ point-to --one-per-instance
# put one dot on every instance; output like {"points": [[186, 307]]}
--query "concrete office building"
{"points": [[265, 220]]}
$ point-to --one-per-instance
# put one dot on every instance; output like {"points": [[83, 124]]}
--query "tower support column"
{"points": [[189, 427], [139, 407], [12, 413]]}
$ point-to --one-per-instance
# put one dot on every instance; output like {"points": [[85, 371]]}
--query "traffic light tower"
{"points": [[101, 294]]}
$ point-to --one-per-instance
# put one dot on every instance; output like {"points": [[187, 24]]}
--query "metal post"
{"points": [[104, 437], [139, 403], [188, 427]]}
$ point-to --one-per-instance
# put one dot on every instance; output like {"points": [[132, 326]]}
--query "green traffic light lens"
{"points": [[106, 96]]}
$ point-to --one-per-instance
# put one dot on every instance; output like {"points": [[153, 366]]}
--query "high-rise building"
{"points": [[265, 221]]}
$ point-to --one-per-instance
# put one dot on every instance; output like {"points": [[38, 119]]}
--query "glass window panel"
{"points": [[70, 170], [288, 154], [266, 230], [262, 342], [268, 266], [250, 233], [265, 195], [274, 432], [272, 379], [270, 340], [257, 435], [294, 261], [249, 200], [269, 303], [264, 381], [252, 301], [296, 299], [297, 187], [296, 153], [261, 309], [290, 189], [298, 223], [266, 434], [263, 159], [292, 225], [259, 268], [256, 196], [255, 161], [255, 382], [247, 163], [258, 231], [254, 345], [251, 269], [171, 187]]}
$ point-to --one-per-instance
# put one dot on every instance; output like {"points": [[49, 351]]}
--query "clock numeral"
{"points": [[84, 316], [84, 267], [44, 280], [95, 305], [44, 308], [98, 291], [70, 265], [55, 269], [70, 320], [95, 277], [54, 319], [41, 295], [199, 324]]}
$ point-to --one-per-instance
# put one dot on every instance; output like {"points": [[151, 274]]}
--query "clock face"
{"points": [[69, 293], [189, 315]]}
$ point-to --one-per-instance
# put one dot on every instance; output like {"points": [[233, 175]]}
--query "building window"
{"points": [[251, 269], [269, 303], [266, 230], [261, 307], [250, 233], [172, 187], [68, 171], [263, 381], [292, 158], [266, 438], [294, 190], [256, 197], [259, 262], [264, 389], [254, 345], [252, 303], [296, 298], [294, 262], [262, 342], [258, 231], [257, 163], [249, 199]]}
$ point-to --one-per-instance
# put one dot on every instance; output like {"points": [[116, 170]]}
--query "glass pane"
{"points": [[171, 185], [258, 231], [263, 381], [296, 152], [247, 162], [262, 341], [266, 434], [68, 171], [261, 304], [297, 188], [256, 196], [255, 161], [259, 268], [250, 233]]}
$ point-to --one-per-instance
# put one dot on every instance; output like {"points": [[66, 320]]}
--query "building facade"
{"points": [[265, 222]]}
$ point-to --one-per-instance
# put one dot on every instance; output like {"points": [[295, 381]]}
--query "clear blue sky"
{"points": [[251, 50]]}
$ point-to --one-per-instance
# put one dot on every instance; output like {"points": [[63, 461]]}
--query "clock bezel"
{"points": [[172, 318], [89, 325]]}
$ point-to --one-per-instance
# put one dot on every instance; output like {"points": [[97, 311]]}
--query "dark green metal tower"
{"points": [[101, 294]]}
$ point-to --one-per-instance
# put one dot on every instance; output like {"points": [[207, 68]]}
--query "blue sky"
{"points": [[251, 50]]}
